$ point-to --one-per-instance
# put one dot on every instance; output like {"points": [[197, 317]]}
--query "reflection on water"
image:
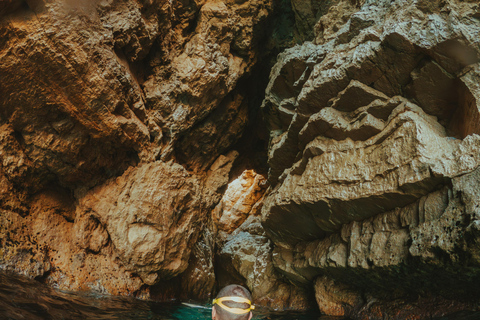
{"points": [[22, 298]]}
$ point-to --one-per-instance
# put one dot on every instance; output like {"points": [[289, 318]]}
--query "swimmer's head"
{"points": [[233, 302]]}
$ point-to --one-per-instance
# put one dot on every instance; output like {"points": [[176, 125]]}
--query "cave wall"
{"points": [[117, 119], [120, 123], [373, 158], [162, 149]]}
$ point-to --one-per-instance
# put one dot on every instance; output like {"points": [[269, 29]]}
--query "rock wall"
{"points": [[374, 158], [117, 119], [134, 153]]}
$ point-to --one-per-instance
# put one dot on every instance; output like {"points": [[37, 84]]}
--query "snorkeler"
{"points": [[233, 302]]}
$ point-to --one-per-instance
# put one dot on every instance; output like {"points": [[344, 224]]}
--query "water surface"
{"points": [[23, 298]]}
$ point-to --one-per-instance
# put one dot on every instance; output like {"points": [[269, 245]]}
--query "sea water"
{"points": [[23, 298]]}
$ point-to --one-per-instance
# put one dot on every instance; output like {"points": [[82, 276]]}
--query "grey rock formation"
{"points": [[373, 125], [396, 254], [247, 252]]}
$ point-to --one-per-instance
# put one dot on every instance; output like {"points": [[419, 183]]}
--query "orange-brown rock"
{"points": [[334, 299], [153, 215], [92, 87], [100, 102], [238, 201], [44, 245], [125, 127]]}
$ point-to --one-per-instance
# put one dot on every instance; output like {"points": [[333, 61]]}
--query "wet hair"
{"points": [[233, 290]]}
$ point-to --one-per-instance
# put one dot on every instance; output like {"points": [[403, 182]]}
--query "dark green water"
{"points": [[22, 298]]}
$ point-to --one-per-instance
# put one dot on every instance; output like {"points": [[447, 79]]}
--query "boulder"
{"points": [[153, 215]]}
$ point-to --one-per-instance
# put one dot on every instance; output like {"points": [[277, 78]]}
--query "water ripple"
{"points": [[23, 298]]}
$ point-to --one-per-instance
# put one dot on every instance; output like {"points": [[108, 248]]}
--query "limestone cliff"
{"points": [[374, 157], [145, 151]]}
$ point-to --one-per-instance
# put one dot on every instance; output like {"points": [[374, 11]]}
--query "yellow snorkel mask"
{"points": [[219, 302]]}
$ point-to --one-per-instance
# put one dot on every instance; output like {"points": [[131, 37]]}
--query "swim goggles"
{"points": [[219, 302]]}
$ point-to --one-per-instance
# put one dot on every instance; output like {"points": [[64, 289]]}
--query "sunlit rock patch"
{"points": [[244, 252]]}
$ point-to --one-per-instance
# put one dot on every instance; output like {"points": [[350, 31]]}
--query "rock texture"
{"points": [[132, 159], [429, 245], [153, 215], [245, 253], [248, 253], [372, 126], [116, 122]]}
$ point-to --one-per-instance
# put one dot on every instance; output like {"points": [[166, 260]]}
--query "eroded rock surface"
{"points": [[371, 126], [108, 110], [244, 252], [241, 199], [136, 229], [397, 254], [119, 122], [358, 132], [92, 87], [248, 253], [153, 215]]}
